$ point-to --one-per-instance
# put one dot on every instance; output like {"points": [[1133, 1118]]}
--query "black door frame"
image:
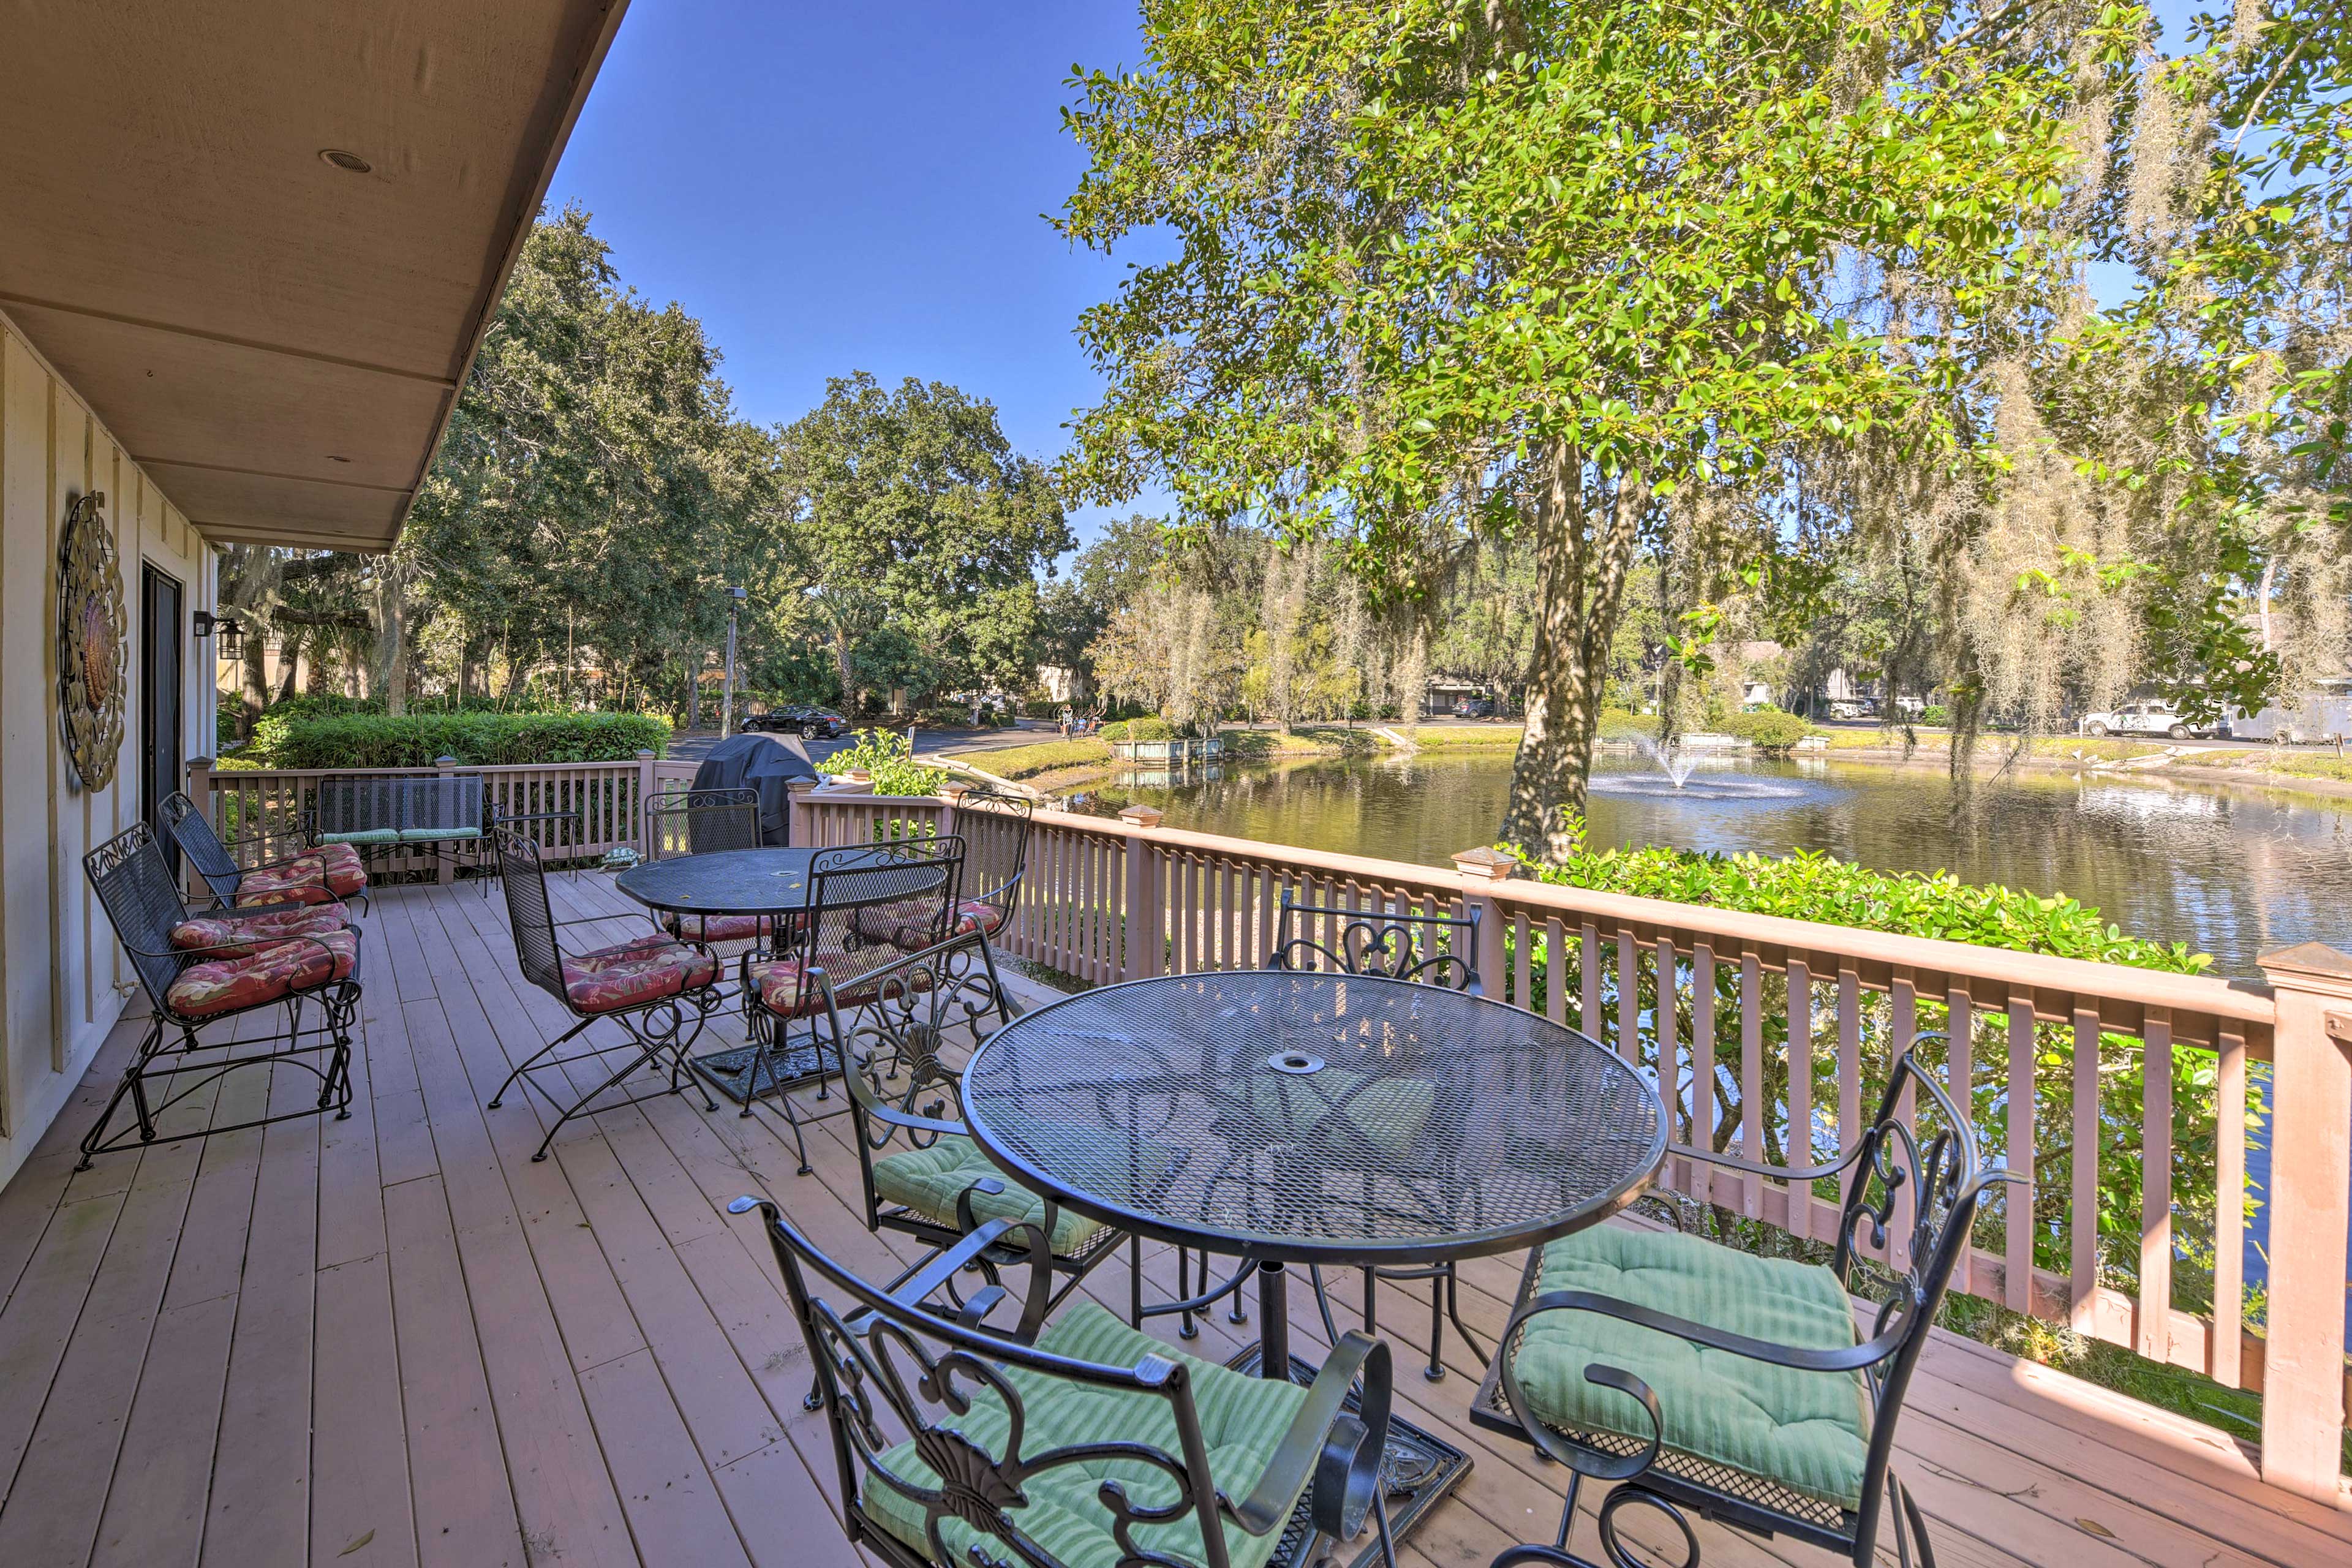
{"points": [[161, 715]]}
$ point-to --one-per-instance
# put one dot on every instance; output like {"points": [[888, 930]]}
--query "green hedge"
{"points": [[418, 740], [1770, 731], [1140, 730]]}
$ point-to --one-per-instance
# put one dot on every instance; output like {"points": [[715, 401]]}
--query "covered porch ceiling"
{"points": [[263, 237]]}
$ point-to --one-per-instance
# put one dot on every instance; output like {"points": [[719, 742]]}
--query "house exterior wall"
{"points": [[63, 979]]}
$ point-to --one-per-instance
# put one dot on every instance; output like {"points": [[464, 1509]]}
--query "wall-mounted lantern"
{"points": [[229, 632]]}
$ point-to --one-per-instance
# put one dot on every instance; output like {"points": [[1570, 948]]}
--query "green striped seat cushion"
{"points": [[1807, 1430], [928, 1181], [363, 835], [1242, 1420], [1335, 1105], [423, 835]]}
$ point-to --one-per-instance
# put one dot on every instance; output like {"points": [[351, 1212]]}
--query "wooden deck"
{"points": [[394, 1340]]}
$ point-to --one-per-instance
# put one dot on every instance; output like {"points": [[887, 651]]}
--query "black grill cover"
{"points": [[765, 764]]}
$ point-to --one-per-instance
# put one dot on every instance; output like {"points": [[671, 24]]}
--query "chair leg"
{"points": [[1186, 1329], [1323, 1302], [1135, 1278], [1454, 1311], [130, 1087], [1435, 1370], [532, 1060]]}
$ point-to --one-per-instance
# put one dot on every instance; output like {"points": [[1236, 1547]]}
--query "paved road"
{"points": [[693, 745]]}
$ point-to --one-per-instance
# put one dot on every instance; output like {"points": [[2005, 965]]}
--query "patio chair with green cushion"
{"points": [[1081, 1444], [1420, 945], [1702, 1378], [923, 1175]]}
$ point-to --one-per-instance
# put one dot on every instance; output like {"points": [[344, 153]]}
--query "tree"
{"points": [[909, 509], [1527, 268]]}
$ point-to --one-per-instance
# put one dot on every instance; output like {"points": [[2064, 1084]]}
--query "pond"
{"points": [[2230, 871]]}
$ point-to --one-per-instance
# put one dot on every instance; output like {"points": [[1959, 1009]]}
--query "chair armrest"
{"points": [[1837, 1167], [914, 1287], [1339, 1450]]}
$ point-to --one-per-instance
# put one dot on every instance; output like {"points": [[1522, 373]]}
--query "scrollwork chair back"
{"points": [[1396, 944]]}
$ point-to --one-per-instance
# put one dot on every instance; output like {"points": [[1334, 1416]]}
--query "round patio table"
{"points": [[773, 882], [1303, 1117]]}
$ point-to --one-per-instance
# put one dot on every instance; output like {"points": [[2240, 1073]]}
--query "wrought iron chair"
{"points": [[1433, 950], [657, 989], [868, 906], [1772, 1415], [707, 821], [995, 830], [327, 873], [1073, 1444], [922, 1174], [198, 970]]}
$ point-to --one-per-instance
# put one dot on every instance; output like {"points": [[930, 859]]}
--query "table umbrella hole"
{"points": [[1297, 1062]]}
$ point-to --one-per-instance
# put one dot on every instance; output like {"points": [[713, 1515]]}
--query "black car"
{"points": [[794, 719], [1474, 708]]}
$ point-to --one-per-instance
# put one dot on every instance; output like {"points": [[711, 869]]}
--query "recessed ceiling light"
{"points": [[337, 458], [350, 162]]}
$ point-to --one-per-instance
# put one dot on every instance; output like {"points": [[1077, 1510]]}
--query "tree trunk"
{"points": [[389, 671], [1581, 566], [841, 668]]}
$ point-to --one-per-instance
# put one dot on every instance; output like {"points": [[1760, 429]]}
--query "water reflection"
{"points": [[2232, 871]]}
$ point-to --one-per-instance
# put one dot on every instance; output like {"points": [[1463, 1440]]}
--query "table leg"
{"points": [[1273, 1319]]}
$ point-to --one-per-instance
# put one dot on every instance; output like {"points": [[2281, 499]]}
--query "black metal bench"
{"points": [[440, 814]]}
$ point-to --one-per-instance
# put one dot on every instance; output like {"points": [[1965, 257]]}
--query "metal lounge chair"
{"points": [[657, 989], [1703, 1378], [1079, 1444], [203, 969], [253, 870]]}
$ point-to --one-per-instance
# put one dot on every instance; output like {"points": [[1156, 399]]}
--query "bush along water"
{"points": [[888, 761], [475, 739], [1813, 887]]}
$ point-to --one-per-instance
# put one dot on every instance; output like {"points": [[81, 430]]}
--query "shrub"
{"points": [[885, 755], [1770, 731], [1151, 729], [1936, 715], [418, 740]]}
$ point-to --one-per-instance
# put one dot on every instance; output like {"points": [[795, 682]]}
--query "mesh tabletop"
{"points": [[755, 881], [1314, 1118]]}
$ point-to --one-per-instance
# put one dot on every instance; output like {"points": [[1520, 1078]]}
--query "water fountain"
{"points": [[1682, 776], [1672, 761]]}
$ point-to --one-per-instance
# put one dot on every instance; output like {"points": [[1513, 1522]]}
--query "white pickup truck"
{"points": [[2152, 716]]}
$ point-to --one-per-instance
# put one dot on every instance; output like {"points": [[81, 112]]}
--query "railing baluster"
{"points": [[1588, 958], [1800, 1141], [2156, 1187], [1628, 998], [2017, 1197], [2083, 1216], [1849, 1072], [1703, 1063], [1959, 1076], [1752, 1078], [1904, 1029], [2229, 1214], [1523, 965], [1555, 969], [1669, 1059]]}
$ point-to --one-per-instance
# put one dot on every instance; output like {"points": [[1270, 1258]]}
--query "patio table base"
{"points": [[1417, 1471], [785, 1067]]}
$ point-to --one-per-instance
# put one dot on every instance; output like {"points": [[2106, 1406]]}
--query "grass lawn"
{"points": [[1045, 757]]}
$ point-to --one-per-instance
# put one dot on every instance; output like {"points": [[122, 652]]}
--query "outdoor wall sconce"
{"points": [[206, 625]]}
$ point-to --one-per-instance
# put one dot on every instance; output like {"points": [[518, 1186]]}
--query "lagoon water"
{"points": [[2230, 871]]}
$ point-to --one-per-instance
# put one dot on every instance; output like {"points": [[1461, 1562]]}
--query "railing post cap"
{"points": [[2310, 966], [645, 754], [201, 762], [1487, 862], [954, 789], [1140, 816], [444, 762]]}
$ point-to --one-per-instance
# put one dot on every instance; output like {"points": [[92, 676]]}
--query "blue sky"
{"points": [[834, 187]]}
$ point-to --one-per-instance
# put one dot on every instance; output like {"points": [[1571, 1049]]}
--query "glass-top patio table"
{"points": [[1290, 1117], [1287, 1118]]}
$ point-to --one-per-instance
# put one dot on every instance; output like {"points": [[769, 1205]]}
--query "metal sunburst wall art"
{"points": [[92, 643]]}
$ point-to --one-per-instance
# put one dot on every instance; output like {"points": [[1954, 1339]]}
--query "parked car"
{"points": [[2151, 716], [795, 719], [1474, 708]]}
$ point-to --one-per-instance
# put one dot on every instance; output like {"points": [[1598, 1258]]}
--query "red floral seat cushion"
{"points": [[908, 929], [317, 875], [635, 973], [785, 988], [724, 928], [240, 934], [226, 984]]}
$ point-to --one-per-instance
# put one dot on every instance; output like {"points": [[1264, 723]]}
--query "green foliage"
{"points": [[885, 755], [1935, 715], [418, 740], [1770, 732], [1140, 730]]}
